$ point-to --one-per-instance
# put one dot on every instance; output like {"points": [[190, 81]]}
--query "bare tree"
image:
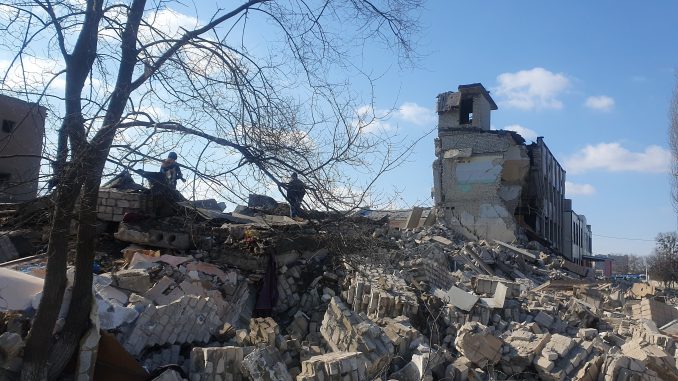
{"points": [[241, 114], [637, 264], [663, 263], [673, 144]]}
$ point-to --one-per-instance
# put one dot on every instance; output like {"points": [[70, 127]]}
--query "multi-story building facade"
{"points": [[577, 237], [21, 135]]}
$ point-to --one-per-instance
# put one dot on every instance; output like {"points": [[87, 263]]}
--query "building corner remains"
{"points": [[490, 184], [21, 135]]}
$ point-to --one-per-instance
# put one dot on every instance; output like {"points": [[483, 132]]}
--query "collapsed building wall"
{"points": [[479, 174], [490, 184]]}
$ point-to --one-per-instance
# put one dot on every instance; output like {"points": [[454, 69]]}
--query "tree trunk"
{"points": [[77, 319], [39, 341]]}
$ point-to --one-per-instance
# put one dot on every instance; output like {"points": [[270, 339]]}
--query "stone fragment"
{"points": [[135, 280], [478, 345], [335, 365], [544, 319], [265, 364]]}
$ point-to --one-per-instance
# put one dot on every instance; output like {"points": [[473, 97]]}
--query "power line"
{"points": [[626, 239]]}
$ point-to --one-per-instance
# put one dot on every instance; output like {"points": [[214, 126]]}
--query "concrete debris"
{"points": [[349, 366], [187, 320], [344, 330], [169, 375], [477, 343], [134, 280], [660, 313], [245, 296], [218, 363], [641, 290], [381, 295], [457, 297], [265, 364]]}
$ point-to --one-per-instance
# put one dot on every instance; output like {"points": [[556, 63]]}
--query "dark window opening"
{"points": [[7, 125], [466, 111], [4, 180]]}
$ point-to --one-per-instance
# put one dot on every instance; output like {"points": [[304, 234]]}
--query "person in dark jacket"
{"points": [[295, 195], [170, 168]]}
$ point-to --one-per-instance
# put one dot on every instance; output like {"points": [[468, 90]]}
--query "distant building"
{"points": [[577, 237], [620, 264], [490, 184], [601, 263], [21, 135]]}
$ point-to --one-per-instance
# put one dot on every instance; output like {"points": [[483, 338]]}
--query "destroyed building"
{"points": [[184, 291], [490, 184], [21, 134]]}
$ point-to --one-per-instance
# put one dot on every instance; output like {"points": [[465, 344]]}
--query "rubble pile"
{"points": [[246, 296]]}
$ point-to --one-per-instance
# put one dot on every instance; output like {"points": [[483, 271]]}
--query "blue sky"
{"points": [[594, 78]]}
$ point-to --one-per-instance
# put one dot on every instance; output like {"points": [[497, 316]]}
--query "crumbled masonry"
{"points": [[264, 298]]}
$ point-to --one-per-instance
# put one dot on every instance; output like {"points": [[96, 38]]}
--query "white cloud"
{"points": [[574, 189], [35, 74], [523, 131], [601, 102], [615, 158], [169, 23], [536, 88], [373, 120], [419, 115]]}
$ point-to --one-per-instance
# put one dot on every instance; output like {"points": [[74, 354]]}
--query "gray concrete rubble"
{"points": [[267, 298]]}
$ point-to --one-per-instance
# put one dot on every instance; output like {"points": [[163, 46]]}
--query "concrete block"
{"points": [[478, 345], [135, 280], [544, 319]]}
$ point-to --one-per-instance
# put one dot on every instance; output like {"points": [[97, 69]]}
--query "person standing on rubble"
{"points": [[295, 194], [170, 168]]}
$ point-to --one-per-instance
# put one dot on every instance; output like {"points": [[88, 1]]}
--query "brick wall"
{"points": [[113, 204]]}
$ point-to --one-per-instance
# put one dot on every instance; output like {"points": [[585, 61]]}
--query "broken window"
{"points": [[466, 111], [7, 125]]}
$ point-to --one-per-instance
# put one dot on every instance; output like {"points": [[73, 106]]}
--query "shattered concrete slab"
{"points": [[458, 298], [187, 320]]}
